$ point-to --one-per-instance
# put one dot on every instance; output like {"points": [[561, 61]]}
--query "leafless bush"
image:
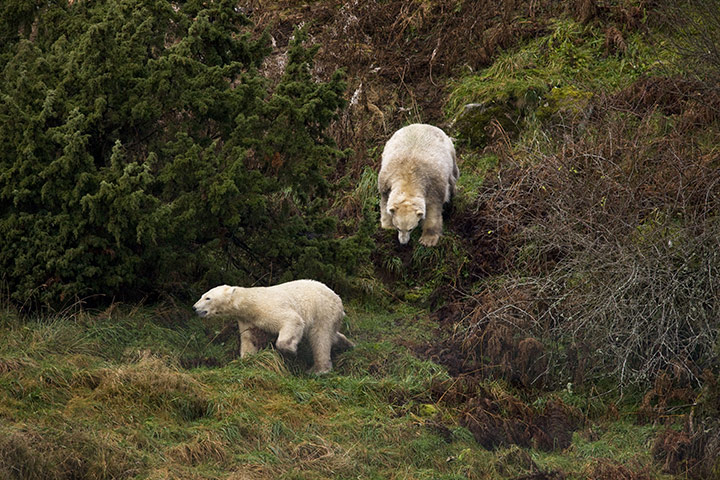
{"points": [[631, 215], [613, 239], [641, 308]]}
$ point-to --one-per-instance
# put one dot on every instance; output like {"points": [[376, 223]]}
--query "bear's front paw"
{"points": [[429, 240], [320, 369], [286, 347]]}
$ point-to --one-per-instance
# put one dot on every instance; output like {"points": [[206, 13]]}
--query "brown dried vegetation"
{"points": [[203, 448], [498, 419], [694, 451], [603, 469], [490, 339], [614, 230], [29, 453], [398, 55]]}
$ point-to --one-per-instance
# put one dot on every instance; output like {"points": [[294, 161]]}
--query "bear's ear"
{"points": [[391, 210], [420, 214]]}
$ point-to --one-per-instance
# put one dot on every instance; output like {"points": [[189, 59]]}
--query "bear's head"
{"points": [[216, 301], [406, 215]]}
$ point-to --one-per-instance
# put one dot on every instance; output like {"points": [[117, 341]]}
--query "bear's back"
{"points": [[419, 146], [310, 298]]}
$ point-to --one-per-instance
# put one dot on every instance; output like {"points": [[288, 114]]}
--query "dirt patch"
{"points": [[490, 338], [498, 419]]}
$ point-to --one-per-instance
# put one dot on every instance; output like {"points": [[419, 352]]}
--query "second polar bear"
{"points": [[417, 176], [292, 310]]}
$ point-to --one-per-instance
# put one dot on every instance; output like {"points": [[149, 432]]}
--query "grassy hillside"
{"points": [[566, 326], [152, 393]]}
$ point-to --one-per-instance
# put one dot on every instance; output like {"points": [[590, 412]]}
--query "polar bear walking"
{"points": [[292, 310], [417, 176]]}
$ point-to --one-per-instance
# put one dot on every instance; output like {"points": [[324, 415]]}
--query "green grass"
{"points": [[474, 168], [616, 443], [571, 57], [550, 77], [104, 396]]}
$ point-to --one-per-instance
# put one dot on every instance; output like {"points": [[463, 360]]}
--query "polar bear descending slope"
{"points": [[292, 310], [417, 176]]}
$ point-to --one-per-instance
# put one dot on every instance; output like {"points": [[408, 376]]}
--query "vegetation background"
{"points": [[565, 327]]}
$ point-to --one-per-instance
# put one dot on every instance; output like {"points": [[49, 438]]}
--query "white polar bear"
{"points": [[417, 176], [292, 310]]}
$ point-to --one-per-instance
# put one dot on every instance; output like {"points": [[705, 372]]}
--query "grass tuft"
{"points": [[154, 385]]}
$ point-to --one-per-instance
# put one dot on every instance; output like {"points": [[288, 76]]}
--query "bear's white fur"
{"points": [[292, 310], [417, 176]]}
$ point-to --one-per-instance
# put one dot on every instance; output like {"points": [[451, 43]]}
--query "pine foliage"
{"points": [[142, 151]]}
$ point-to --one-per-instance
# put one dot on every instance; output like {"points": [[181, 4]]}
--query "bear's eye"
{"points": [[207, 298]]}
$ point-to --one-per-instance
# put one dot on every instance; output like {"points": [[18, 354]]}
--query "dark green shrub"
{"points": [[141, 151]]}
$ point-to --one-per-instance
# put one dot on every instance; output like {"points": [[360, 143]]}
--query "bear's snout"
{"points": [[199, 311]]}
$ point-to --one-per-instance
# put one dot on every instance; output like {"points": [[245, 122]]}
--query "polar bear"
{"points": [[417, 176], [292, 310]]}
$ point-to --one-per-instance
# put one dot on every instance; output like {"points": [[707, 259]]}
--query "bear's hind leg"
{"points": [[321, 344], [290, 334]]}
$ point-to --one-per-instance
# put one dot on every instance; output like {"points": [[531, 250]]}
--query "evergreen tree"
{"points": [[141, 151]]}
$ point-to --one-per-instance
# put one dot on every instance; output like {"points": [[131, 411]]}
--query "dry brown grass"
{"points": [[491, 338], [27, 452], [604, 469], [152, 383], [496, 418], [321, 454], [9, 364], [204, 447], [693, 451]]}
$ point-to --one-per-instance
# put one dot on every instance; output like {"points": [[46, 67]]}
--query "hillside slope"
{"points": [[566, 326]]}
